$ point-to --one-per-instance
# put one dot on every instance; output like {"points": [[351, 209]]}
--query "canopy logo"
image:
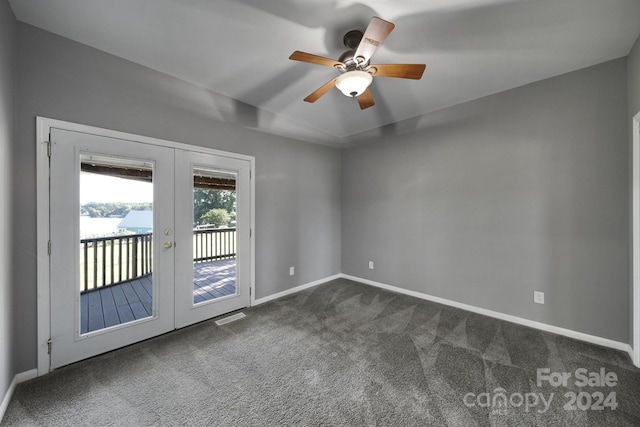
{"points": [[500, 402]]}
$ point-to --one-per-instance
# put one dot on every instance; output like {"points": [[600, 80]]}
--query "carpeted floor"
{"points": [[340, 354]]}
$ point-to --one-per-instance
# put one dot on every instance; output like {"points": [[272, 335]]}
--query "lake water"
{"points": [[98, 227]]}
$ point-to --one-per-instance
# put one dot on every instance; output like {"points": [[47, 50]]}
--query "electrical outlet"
{"points": [[538, 297], [370, 265], [292, 271]]}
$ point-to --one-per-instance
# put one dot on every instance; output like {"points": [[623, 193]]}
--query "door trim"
{"points": [[635, 261], [43, 128]]}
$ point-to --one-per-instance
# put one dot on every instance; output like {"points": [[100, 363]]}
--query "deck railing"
{"points": [[106, 261], [214, 244]]}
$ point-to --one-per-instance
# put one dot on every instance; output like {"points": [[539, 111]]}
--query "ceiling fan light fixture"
{"points": [[354, 83]]}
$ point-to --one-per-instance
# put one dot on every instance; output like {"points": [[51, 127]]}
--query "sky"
{"points": [[105, 189]]}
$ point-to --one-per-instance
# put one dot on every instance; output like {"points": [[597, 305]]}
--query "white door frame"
{"points": [[636, 239], [43, 128]]}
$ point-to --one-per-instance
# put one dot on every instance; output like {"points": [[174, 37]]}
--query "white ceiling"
{"points": [[240, 48]]}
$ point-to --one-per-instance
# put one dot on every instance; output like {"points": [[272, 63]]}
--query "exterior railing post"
{"points": [[134, 257]]}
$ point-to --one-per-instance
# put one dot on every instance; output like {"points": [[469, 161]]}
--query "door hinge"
{"points": [[49, 247], [49, 148], [49, 345], [249, 290], [250, 232]]}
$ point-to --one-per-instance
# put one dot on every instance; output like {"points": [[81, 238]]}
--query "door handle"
{"points": [[168, 245]]}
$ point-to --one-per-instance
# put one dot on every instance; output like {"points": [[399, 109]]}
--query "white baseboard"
{"points": [[294, 290], [17, 379], [507, 317]]}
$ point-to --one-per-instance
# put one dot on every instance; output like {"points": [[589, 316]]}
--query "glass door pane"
{"points": [[214, 234], [213, 252], [116, 241]]}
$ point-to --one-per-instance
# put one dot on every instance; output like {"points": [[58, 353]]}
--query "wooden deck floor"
{"points": [[113, 305]]}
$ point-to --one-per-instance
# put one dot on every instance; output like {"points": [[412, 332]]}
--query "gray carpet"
{"points": [[342, 354]]}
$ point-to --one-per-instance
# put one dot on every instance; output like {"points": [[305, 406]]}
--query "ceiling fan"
{"points": [[356, 73]]}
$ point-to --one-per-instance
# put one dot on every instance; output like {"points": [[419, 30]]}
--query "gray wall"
{"points": [[487, 201], [633, 64], [297, 184], [633, 83], [7, 72]]}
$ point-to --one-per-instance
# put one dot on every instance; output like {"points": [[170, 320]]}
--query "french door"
{"points": [[144, 239], [210, 262]]}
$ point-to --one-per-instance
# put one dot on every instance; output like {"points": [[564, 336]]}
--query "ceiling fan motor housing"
{"points": [[351, 41], [348, 60]]}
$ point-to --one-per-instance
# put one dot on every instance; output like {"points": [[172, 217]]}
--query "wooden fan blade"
{"points": [[375, 34], [321, 91], [315, 59], [366, 99], [402, 71]]}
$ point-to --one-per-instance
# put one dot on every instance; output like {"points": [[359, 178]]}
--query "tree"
{"points": [[112, 209], [216, 217], [205, 199]]}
